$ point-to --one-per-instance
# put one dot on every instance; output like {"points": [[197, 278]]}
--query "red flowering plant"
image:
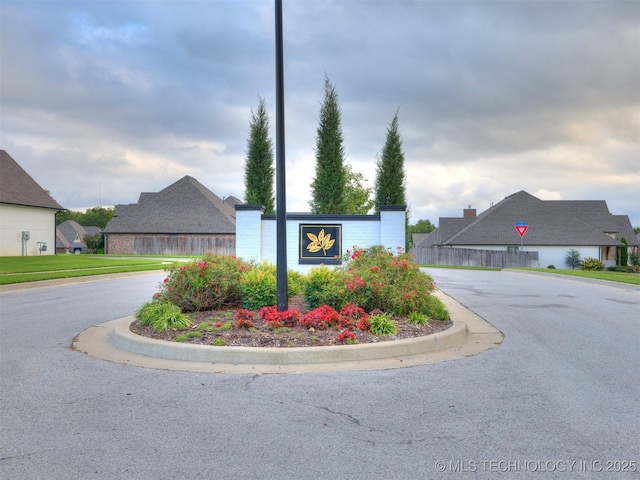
{"points": [[273, 319], [208, 283], [244, 319], [348, 337], [351, 316], [320, 318]]}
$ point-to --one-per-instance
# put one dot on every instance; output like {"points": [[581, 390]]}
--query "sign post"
{"points": [[521, 228]]}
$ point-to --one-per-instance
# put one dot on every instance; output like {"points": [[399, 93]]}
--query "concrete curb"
{"points": [[124, 339], [468, 336]]}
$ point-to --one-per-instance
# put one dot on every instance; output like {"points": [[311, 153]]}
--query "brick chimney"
{"points": [[469, 212]]}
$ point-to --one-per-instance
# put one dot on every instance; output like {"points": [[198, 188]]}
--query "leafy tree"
{"points": [[64, 215], [93, 217], [357, 197], [636, 230], [259, 170], [96, 217], [94, 242], [573, 258], [422, 226], [328, 186], [390, 181]]}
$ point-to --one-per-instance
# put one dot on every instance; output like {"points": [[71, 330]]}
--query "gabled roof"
{"points": [[18, 188], [185, 206], [70, 230], [549, 224]]}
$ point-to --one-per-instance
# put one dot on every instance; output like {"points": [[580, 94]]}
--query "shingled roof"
{"points": [[185, 206], [18, 188], [550, 223]]}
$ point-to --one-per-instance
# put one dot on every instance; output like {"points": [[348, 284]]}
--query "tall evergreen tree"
{"points": [[328, 186], [259, 169], [390, 180]]}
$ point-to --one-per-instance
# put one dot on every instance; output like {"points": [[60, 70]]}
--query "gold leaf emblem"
{"points": [[320, 242]]}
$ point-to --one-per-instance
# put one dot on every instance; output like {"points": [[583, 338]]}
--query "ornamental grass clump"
{"points": [[161, 316], [383, 324], [209, 283]]}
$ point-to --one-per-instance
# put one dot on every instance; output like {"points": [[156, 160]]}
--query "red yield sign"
{"points": [[521, 228]]}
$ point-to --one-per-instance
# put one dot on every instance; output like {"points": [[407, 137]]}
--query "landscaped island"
{"points": [[374, 295]]}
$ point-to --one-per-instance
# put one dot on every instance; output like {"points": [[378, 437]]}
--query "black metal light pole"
{"points": [[281, 204]]}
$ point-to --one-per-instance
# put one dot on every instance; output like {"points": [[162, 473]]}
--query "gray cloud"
{"points": [[104, 100]]}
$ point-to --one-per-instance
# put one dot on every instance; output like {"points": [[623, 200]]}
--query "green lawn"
{"points": [[633, 278], [30, 269]]}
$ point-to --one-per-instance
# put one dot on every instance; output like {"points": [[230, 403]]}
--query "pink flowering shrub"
{"points": [[374, 278], [211, 282]]}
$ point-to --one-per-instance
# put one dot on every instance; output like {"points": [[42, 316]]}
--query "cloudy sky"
{"points": [[103, 100]]}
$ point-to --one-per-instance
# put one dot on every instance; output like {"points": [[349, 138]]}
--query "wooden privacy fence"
{"points": [[184, 244], [469, 257]]}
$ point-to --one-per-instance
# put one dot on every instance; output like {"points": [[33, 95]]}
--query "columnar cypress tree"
{"points": [[329, 184], [259, 170], [390, 180]]}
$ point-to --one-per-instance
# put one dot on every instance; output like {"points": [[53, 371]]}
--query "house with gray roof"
{"points": [[553, 228], [185, 218], [27, 212], [70, 237]]}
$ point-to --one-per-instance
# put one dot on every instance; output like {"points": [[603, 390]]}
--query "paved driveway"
{"points": [[560, 397]]}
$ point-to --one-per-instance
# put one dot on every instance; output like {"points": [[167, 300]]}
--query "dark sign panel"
{"points": [[320, 244]]}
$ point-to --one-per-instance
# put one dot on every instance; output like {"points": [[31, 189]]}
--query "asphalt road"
{"points": [[559, 398]]}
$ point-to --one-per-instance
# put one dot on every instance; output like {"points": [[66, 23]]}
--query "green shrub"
{"points": [[418, 318], [209, 283], [374, 277], [162, 316], [551, 267], [592, 264], [258, 286], [218, 342], [181, 337], [382, 324], [437, 309], [572, 258], [321, 288]]}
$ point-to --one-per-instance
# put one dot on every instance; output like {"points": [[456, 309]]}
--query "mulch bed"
{"points": [[287, 338]]}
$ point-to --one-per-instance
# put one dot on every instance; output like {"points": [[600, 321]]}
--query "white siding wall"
{"points": [[547, 255], [257, 240], [39, 222]]}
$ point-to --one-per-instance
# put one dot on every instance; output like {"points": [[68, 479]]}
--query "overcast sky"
{"points": [[103, 100]]}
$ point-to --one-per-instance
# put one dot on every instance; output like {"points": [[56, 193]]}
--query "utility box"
{"points": [[26, 235]]}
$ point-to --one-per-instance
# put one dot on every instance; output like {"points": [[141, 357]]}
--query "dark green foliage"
{"points": [[357, 197], [572, 258], [390, 181], [94, 242], [624, 253], [259, 169], [422, 226], [328, 186], [93, 217]]}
